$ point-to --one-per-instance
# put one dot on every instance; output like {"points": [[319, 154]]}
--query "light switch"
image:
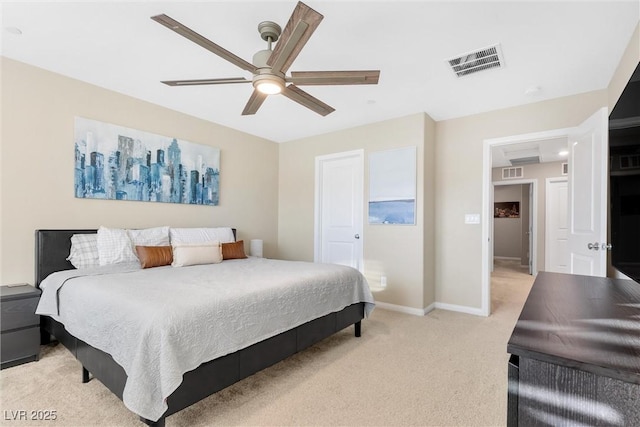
{"points": [[472, 219]]}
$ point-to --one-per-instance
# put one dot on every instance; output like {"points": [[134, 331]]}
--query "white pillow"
{"points": [[84, 251], [200, 235], [157, 236], [196, 253], [114, 246]]}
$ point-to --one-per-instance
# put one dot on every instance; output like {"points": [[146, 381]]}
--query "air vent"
{"points": [[525, 160], [512, 173], [565, 169], [472, 62], [630, 161]]}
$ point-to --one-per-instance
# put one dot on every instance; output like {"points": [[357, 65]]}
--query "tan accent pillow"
{"points": [[154, 256], [196, 253], [233, 250]]}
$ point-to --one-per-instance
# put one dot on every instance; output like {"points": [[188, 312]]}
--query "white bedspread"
{"points": [[161, 322]]}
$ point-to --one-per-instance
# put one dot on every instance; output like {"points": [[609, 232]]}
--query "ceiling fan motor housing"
{"points": [[260, 58]]}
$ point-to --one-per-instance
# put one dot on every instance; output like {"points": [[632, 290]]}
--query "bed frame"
{"points": [[52, 249]]}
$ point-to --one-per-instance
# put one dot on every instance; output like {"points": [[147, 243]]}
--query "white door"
{"points": [[339, 209], [588, 151], [557, 226]]}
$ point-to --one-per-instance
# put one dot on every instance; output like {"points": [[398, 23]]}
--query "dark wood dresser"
{"points": [[575, 353], [20, 325]]}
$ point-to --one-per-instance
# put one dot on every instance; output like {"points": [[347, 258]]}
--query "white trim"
{"points": [[424, 311], [359, 154], [460, 308], [533, 220], [528, 137], [404, 309], [487, 207]]}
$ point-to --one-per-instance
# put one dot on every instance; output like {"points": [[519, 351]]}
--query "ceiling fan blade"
{"points": [[364, 77], [205, 81], [296, 94], [255, 101], [185, 31], [296, 33]]}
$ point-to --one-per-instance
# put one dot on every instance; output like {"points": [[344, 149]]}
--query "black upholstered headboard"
{"points": [[52, 250]]}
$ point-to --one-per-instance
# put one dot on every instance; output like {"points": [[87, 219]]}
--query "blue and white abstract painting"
{"points": [[392, 186], [118, 163]]}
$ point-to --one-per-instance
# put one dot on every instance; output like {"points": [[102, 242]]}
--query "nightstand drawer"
{"points": [[19, 313], [20, 344]]}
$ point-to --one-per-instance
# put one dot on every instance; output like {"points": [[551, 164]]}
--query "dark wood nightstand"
{"points": [[20, 325]]}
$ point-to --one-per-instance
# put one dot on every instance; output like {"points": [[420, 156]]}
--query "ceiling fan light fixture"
{"points": [[268, 87], [268, 83]]}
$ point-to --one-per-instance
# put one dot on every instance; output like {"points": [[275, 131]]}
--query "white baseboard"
{"points": [[460, 308], [407, 310], [404, 309], [423, 311], [511, 258], [430, 308]]}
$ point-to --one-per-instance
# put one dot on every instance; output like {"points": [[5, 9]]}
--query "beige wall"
{"points": [[429, 199], [396, 251], [627, 65], [36, 187], [459, 174]]}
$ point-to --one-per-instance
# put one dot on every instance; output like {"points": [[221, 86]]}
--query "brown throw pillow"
{"points": [[233, 250], [154, 256]]}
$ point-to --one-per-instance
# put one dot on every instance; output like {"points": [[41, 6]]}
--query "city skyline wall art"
{"points": [[117, 163]]}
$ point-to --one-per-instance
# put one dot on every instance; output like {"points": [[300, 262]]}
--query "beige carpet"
{"points": [[442, 369]]}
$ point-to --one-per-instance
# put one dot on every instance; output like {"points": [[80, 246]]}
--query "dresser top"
{"points": [[18, 291], [583, 322]]}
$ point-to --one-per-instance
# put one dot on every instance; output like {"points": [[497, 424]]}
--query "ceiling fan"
{"points": [[269, 66]]}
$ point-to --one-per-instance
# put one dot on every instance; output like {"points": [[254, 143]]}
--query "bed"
{"points": [[209, 376]]}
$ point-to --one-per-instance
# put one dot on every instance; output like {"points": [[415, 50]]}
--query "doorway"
{"points": [[525, 229], [586, 193], [487, 197]]}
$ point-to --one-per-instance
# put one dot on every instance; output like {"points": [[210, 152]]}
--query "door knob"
{"points": [[357, 236], [597, 246]]}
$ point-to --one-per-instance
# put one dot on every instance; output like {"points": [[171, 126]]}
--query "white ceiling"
{"points": [[547, 150], [563, 48]]}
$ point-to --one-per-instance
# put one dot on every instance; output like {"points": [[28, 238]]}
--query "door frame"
{"points": [[317, 214], [533, 219], [487, 205]]}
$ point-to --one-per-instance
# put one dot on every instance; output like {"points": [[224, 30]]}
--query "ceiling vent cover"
{"points": [[525, 161], [472, 62]]}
